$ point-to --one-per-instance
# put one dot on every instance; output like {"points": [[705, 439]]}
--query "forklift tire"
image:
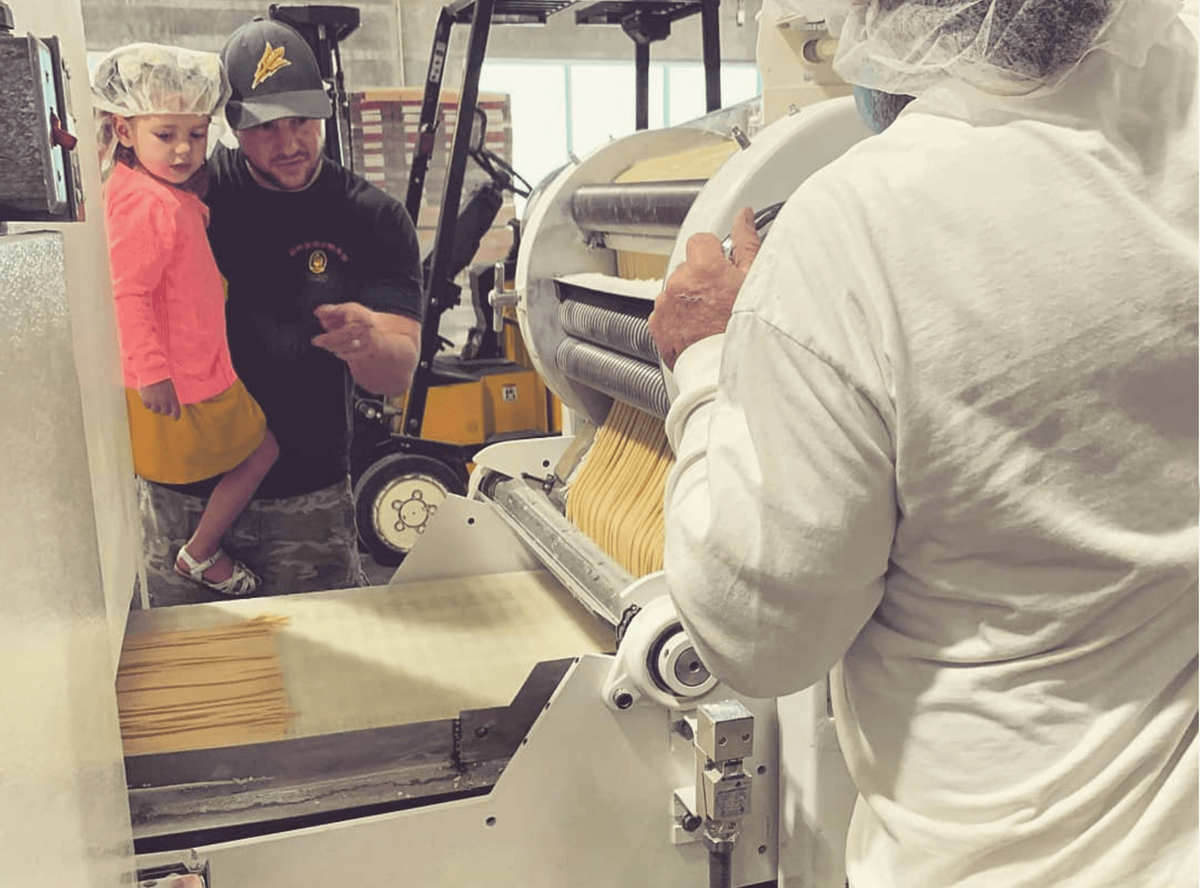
{"points": [[394, 500]]}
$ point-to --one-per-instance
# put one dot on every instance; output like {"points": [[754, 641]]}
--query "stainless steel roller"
{"points": [[619, 376], [575, 559], [654, 208], [610, 327]]}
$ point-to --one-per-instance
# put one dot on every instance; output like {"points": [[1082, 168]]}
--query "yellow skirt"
{"points": [[207, 440]]}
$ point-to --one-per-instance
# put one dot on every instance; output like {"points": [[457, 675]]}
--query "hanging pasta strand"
{"points": [[616, 496]]}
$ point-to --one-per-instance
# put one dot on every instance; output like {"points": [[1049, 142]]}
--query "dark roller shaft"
{"points": [[644, 208]]}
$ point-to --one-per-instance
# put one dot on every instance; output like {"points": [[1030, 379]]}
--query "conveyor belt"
{"points": [[386, 655]]}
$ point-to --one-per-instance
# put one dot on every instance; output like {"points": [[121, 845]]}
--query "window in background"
{"points": [[685, 89], [602, 102], [538, 105], [564, 108]]}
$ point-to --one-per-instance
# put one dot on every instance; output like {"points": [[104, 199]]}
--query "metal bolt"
{"points": [[690, 822], [623, 699], [481, 731], [684, 729]]}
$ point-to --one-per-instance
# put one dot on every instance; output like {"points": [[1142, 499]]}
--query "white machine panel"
{"points": [[587, 801]]}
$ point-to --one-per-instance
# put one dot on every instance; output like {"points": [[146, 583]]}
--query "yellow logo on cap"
{"points": [[272, 62], [318, 262]]}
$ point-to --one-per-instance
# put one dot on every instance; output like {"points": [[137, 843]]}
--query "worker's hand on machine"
{"points": [[349, 330], [159, 397], [698, 299]]}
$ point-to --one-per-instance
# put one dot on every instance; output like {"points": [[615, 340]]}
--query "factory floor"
{"points": [[378, 574]]}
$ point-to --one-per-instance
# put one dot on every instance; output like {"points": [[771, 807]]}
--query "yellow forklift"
{"points": [[407, 457], [409, 454]]}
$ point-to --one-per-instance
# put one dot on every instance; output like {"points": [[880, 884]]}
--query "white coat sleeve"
{"points": [[780, 510]]}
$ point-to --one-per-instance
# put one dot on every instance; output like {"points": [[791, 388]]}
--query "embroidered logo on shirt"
{"points": [[327, 249], [271, 63], [318, 261]]}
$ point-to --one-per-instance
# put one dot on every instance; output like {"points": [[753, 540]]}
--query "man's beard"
{"points": [[274, 181]]}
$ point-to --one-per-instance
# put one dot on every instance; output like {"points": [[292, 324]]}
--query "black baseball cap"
{"points": [[274, 74]]}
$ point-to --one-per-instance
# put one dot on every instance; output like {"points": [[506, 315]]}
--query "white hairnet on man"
{"points": [[941, 443]]}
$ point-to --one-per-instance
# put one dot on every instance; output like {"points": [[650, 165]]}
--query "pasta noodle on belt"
{"points": [[193, 689]]}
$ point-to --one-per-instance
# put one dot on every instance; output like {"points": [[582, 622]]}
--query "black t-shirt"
{"points": [[283, 254]]}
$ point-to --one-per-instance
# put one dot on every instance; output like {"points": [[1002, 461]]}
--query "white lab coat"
{"points": [[949, 439]]}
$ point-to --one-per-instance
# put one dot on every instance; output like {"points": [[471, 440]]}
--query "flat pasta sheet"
{"points": [[192, 688]]}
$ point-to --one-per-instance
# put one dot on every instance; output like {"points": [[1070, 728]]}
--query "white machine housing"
{"points": [[815, 792]]}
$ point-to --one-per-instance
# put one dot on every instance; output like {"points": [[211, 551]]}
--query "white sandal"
{"points": [[243, 581]]}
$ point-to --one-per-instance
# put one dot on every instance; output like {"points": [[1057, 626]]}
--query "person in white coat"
{"points": [[939, 437]]}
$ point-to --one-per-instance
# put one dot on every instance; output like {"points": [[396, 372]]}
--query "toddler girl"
{"points": [[190, 418]]}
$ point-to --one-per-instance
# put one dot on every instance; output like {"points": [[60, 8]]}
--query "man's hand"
{"points": [[698, 298], [159, 397], [380, 348], [349, 329]]}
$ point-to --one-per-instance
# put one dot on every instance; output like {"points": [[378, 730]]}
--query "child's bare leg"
{"points": [[229, 498]]}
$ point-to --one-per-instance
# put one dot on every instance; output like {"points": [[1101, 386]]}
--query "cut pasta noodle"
{"points": [[616, 496], [202, 688]]}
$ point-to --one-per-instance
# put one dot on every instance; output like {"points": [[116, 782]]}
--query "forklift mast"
{"points": [[324, 28], [398, 472], [645, 21]]}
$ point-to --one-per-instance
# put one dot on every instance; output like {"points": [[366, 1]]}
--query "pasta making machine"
{"points": [[597, 768], [598, 241], [633, 768]]}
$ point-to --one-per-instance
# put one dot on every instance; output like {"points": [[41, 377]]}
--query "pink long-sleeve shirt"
{"points": [[168, 291]]}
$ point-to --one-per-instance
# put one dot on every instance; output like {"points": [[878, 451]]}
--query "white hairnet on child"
{"points": [[1003, 47], [148, 78]]}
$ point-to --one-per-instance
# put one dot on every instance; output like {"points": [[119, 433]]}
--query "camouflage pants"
{"points": [[300, 544]]}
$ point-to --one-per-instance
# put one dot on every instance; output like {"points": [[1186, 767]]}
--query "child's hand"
{"points": [[159, 397]]}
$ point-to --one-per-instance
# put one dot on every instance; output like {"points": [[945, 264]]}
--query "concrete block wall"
{"points": [[561, 38], [370, 55], [392, 47]]}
